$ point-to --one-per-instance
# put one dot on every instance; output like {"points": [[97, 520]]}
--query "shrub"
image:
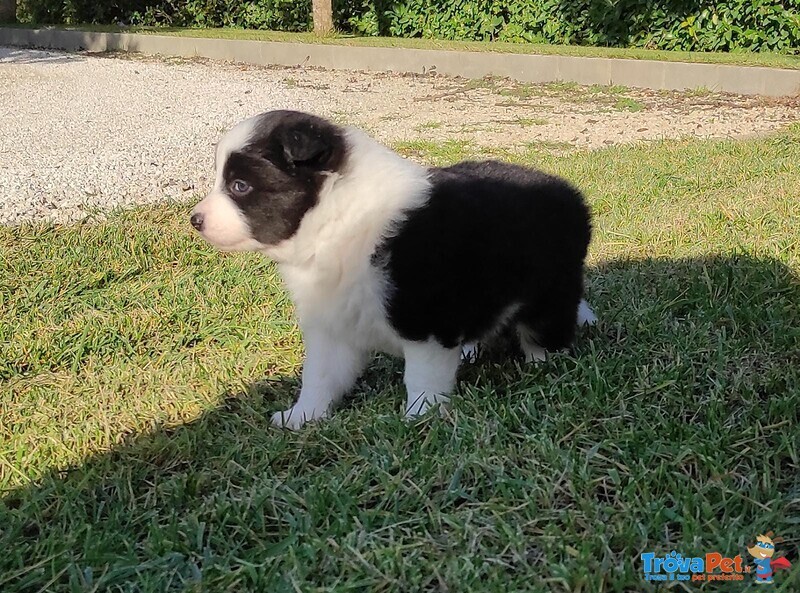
{"points": [[665, 24]]}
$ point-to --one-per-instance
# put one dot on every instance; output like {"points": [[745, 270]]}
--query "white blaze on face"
{"points": [[224, 224]]}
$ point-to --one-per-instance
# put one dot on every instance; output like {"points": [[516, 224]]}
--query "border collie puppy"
{"points": [[382, 254]]}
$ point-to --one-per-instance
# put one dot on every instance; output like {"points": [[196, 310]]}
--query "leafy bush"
{"points": [[76, 11], [665, 24], [279, 15]]}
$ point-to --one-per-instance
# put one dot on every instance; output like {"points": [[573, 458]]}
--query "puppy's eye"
{"points": [[241, 188]]}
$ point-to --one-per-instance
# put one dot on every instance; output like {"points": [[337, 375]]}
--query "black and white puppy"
{"points": [[382, 254]]}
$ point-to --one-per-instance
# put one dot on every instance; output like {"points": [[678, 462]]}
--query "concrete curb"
{"points": [[745, 80]]}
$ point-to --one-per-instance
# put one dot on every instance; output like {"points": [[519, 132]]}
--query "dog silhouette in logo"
{"points": [[762, 553]]}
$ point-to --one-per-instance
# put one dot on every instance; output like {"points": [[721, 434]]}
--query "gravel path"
{"points": [[82, 133]]}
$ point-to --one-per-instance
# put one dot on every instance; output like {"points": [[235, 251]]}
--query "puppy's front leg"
{"points": [[430, 374], [330, 369]]}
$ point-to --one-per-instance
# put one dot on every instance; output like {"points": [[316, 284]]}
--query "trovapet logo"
{"points": [[710, 567], [714, 566]]}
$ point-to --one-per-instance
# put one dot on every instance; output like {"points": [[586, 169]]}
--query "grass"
{"points": [[139, 367], [439, 153], [628, 104], [527, 122], [766, 59], [428, 125], [612, 96], [550, 146], [526, 91], [607, 89]]}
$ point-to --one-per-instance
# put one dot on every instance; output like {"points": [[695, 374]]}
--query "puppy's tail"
{"points": [[585, 314]]}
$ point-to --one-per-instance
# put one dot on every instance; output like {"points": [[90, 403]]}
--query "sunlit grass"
{"points": [[139, 368]]}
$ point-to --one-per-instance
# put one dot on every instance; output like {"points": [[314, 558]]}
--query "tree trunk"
{"points": [[323, 17], [8, 11]]}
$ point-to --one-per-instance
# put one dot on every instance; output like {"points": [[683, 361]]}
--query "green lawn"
{"points": [[139, 368], [771, 59]]}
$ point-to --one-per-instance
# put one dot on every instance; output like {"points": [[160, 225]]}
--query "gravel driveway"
{"points": [[81, 133]]}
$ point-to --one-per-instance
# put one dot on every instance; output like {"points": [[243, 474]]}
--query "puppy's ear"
{"points": [[307, 145]]}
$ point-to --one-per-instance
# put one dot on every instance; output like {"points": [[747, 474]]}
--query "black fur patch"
{"points": [[492, 235], [285, 162]]}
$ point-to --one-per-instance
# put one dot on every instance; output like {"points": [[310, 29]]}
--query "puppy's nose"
{"points": [[197, 220]]}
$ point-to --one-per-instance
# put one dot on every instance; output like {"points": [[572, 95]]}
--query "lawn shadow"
{"points": [[226, 498]]}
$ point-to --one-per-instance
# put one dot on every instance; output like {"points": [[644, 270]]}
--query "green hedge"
{"points": [[754, 25]]}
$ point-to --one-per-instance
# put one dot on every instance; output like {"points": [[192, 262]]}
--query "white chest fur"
{"points": [[327, 263]]}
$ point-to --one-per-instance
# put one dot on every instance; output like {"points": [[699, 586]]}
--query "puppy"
{"points": [[382, 254]]}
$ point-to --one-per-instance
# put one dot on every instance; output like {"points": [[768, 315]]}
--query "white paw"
{"points": [[534, 353], [470, 352], [296, 416], [423, 403], [585, 314]]}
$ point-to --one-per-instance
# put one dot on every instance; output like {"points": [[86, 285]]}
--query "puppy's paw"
{"points": [[585, 314], [470, 352], [422, 405], [534, 353], [296, 416]]}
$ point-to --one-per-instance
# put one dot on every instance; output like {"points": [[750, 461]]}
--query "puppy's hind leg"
{"points": [[585, 314], [470, 351], [529, 344], [548, 326], [430, 375]]}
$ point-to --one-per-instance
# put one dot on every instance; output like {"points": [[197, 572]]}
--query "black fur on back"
{"points": [[491, 237]]}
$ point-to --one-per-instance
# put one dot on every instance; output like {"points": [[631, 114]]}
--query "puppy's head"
{"points": [[269, 170]]}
